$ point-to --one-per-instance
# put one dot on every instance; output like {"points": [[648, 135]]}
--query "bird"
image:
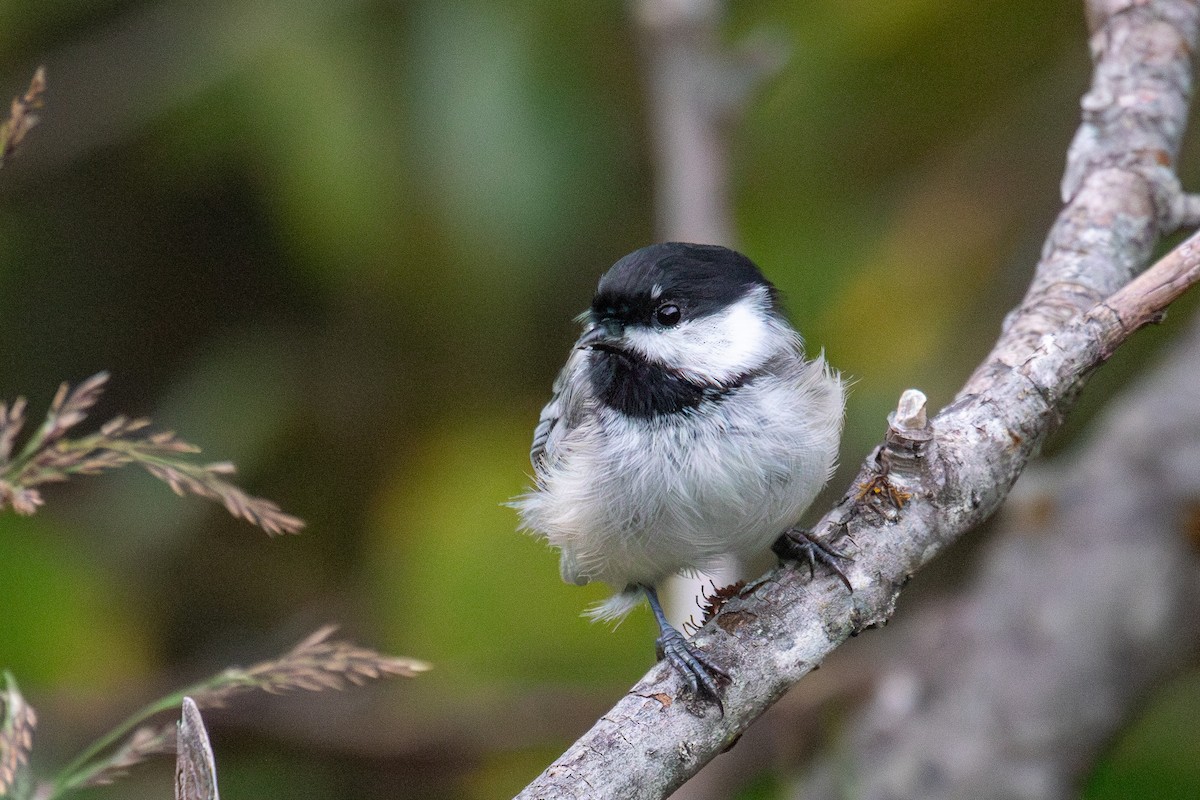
{"points": [[687, 424]]}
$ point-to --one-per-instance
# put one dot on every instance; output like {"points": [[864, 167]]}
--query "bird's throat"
{"points": [[636, 387]]}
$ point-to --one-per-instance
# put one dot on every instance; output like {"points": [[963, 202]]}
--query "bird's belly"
{"points": [[652, 500]]}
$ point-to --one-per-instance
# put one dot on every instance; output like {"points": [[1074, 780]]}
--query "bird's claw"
{"points": [[693, 664], [798, 544]]}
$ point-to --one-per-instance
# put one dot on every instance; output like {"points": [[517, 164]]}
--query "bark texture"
{"points": [[1010, 689]]}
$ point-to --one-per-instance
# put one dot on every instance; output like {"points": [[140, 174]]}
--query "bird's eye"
{"points": [[667, 314]]}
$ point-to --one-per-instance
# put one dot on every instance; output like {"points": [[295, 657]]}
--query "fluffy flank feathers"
{"points": [[615, 608]]}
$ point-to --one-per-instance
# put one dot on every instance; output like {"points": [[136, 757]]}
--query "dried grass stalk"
{"points": [[21, 116], [16, 737], [49, 456], [315, 664], [144, 742]]}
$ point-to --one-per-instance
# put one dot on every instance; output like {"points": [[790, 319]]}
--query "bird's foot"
{"points": [[693, 664], [798, 544]]}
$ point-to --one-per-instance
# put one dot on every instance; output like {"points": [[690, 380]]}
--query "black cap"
{"points": [[700, 278]]}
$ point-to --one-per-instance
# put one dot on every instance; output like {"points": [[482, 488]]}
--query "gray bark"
{"points": [[1010, 689]]}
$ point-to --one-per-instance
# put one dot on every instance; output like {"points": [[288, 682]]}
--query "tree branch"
{"points": [[1010, 689], [696, 89], [679, 46], [927, 486]]}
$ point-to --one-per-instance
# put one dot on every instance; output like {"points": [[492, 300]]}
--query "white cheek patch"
{"points": [[716, 348]]}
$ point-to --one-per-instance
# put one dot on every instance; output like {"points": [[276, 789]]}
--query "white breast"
{"points": [[633, 500]]}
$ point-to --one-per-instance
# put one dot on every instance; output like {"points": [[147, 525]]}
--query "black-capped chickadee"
{"points": [[687, 424]]}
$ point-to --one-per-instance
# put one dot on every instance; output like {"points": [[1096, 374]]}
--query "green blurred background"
{"points": [[341, 244]]}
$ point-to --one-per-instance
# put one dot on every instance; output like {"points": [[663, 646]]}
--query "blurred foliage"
{"points": [[1159, 756], [341, 243], [470, 595], [92, 634]]}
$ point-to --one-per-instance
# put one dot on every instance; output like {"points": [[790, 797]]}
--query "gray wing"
{"points": [[562, 414]]}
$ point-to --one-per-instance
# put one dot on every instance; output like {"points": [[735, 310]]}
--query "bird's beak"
{"points": [[602, 335]]}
